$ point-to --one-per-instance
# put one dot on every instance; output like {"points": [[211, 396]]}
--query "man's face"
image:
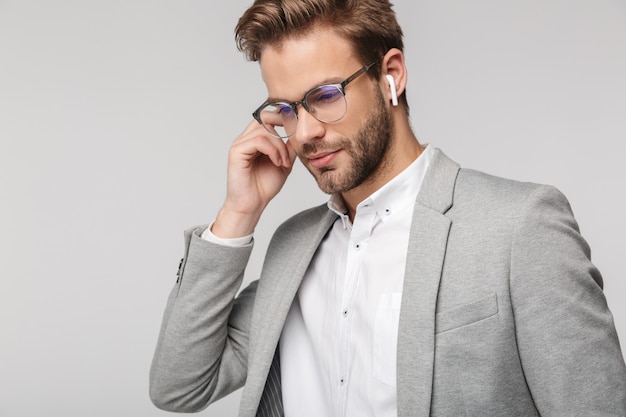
{"points": [[340, 155]]}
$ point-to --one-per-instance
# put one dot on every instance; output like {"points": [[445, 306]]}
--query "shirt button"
{"points": [[345, 313], [341, 381], [387, 211], [357, 246]]}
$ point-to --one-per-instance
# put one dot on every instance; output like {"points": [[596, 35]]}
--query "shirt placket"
{"points": [[357, 245]]}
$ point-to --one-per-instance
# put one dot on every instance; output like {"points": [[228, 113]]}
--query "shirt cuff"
{"points": [[236, 242]]}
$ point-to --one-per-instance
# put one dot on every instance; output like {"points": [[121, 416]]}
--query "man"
{"points": [[419, 289]]}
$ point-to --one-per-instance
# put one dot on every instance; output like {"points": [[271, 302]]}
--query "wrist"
{"points": [[231, 224]]}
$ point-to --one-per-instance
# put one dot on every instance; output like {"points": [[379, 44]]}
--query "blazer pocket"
{"points": [[470, 313]]}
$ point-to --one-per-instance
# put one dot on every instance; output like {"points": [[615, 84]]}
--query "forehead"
{"points": [[298, 64]]}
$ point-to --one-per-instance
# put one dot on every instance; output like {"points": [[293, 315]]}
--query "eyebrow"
{"points": [[329, 80]]}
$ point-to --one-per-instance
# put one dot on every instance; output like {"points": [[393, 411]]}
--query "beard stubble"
{"points": [[367, 151]]}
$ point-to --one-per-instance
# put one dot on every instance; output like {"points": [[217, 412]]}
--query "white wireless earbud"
{"points": [[394, 93]]}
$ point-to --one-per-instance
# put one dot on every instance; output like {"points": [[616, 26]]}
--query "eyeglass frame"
{"points": [[294, 105]]}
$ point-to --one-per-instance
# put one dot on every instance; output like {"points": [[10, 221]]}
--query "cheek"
{"points": [[360, 104], [352, 122]]}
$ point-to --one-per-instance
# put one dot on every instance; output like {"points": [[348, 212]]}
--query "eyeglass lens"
{"points": [[326, 103]]}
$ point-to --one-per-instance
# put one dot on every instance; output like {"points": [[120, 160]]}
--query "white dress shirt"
{"points": [[338, 346]]}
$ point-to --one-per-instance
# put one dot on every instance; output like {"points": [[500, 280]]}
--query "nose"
{"points": [[308, 127]]}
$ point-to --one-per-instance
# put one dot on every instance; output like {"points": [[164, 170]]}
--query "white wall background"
{"points": [[115, 120]]}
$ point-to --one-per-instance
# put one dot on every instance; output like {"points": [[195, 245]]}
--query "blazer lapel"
{"points": [[425, 258], [272, 306]]}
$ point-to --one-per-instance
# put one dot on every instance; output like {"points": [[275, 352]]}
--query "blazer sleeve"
{"points": [[202, 349], [566, 337]]}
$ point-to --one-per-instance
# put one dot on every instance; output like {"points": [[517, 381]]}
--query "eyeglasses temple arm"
{"points": [[358, 73]]}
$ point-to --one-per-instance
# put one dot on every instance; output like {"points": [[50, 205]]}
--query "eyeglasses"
{"points": [[327, 103]]}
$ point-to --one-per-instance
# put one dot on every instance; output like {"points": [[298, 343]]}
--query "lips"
{"points": [[322, 159]]}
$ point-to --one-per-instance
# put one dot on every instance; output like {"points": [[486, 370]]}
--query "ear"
{"points": [[393, 71]]}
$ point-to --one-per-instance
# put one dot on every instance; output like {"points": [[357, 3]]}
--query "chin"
{"points": [[330, 181]]}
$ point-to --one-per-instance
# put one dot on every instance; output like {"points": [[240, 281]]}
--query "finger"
{"points": [[253, 146], [274, 122], [291, 153], [285, 157], [255, 129]]}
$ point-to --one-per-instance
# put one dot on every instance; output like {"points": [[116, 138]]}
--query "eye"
{"points": [[284, 109], [324, 95]]}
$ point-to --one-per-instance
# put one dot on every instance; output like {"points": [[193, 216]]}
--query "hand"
{"points": [[258, 166]]}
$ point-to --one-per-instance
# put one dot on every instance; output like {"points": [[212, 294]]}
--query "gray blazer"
{"points": [[502, 312]]}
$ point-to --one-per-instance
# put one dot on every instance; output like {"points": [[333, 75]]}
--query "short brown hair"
{"points": [[370, 25]]}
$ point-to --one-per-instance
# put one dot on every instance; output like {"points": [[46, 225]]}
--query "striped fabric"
{"points": [[271, 404]]}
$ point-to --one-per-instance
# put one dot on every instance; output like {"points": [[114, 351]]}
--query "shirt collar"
{"points": [[392, 197]]}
